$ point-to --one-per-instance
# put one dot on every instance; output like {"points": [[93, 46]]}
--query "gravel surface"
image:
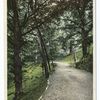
{"points": [[68, 83]]}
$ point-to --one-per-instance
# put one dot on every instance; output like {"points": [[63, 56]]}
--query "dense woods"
{"points": [[42, 31]]}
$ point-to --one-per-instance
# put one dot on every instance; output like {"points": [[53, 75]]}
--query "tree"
{"points": [[23, 18], [79, 21]]}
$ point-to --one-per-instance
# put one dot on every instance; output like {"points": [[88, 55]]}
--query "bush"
{"points": [[86, 63]]}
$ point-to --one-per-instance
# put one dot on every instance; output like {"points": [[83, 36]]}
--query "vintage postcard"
{"points": [[50, 50]]}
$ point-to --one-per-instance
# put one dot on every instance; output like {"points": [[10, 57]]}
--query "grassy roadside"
{"points": [[34, 84], [70, 58], [85, 63]]}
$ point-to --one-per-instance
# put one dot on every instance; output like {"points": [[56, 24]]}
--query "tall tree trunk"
{"points": [[47, 57], [84, 34], [70, 47], [17, 72], [44, 47], [84, 43], [75, 59], [44, 61], [17, 50]]}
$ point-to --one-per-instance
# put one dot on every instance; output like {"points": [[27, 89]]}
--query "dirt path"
{"points": [[68, 83]]}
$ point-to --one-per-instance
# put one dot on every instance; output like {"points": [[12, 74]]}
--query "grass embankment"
{"points": [[70, 58], [81, 63], [34, 84]]}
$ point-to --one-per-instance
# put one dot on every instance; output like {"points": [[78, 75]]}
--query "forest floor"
{"points": [[68, 83]]}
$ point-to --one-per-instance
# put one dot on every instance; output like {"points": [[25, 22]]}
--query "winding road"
{"points": [[68, 83]]}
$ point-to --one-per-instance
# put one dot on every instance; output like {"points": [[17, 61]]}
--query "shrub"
{"points": [[86, 63]]}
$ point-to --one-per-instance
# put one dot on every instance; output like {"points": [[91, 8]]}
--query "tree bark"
{"points": [[47, 57], [42, 53], [17, 72], [17, 50], [84, 34], [84, 43], [44, 47], [70, 47]]}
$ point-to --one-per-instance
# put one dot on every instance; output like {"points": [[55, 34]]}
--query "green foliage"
{"points": [[81, 63], [70, 58], [34, 84], [86, 64], [90, 49]]}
